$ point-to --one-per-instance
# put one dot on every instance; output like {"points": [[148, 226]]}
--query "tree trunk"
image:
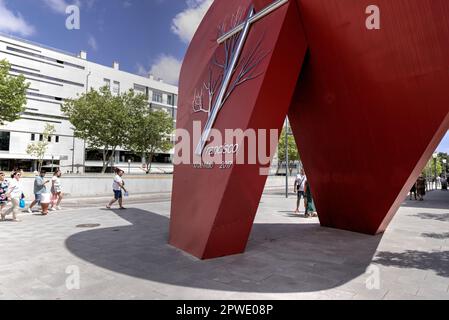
{"points": [[105, 151], [149, 163], [109, 160]]}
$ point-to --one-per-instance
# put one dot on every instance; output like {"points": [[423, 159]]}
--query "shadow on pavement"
{"points": [[433, 235], [432, 216], [437, 261], [433, 200], [279, 257]]}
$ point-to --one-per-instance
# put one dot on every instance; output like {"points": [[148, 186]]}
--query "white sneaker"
{"points": [[58, 208], [29, 210], [53, 209]]}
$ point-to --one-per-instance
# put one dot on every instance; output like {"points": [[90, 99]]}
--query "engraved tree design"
{"points": [[204, 97]]}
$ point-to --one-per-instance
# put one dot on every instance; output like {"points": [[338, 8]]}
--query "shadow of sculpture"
{"points": [[279, 257], [437, 261]]}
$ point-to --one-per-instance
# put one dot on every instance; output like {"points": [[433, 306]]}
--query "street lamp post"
{"points": [[445, 168], [129, 166], [435, 168], [84, 155], [286, 158], [73, 153]]}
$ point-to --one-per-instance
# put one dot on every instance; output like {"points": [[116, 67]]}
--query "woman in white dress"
{"points": [[56, 191]]}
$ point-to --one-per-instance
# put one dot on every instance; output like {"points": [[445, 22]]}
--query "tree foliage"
{"points": [[437, 163], [150, 134], [12, 94], [100, 118], [293, 154], [110, 121], [38, 149]]}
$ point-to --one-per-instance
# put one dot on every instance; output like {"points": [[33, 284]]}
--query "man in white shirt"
{"points": [[117, 186], [300, 184]]}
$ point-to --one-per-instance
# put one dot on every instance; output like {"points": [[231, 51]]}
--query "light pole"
{"points": [[84, 155], [286, 158], [445, 168], [129, 166], [435, 169], [73, 152]]}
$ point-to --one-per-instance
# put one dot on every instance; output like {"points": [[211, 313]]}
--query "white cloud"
{"points": [[13, 23], [185, 23], [92, 42], [60, 6], [141, 70], [165, 67]]}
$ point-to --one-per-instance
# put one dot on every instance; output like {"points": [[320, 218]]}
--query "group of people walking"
{"points": [[303, 191], [47, 193], [419, 188]]}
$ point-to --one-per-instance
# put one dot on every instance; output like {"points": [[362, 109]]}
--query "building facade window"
{"points": [[107, 83], [157, 96], [170, 100], [49, 138], [139, 89], [4, 140], [116, 87], [33, 137], [57, 139], [41, 137]]}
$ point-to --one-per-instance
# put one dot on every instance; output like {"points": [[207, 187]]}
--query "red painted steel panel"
{"points": [[369, 108], [213, 210]]}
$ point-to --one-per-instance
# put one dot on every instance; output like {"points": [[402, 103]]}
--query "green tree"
{"points": [[12, 94], [38, 149], [100, 118], [151, 131], [429, 170], [293, 154]]}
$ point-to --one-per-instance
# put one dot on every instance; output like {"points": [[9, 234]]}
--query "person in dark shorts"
{"points": [[117, 186], [300, 183]]}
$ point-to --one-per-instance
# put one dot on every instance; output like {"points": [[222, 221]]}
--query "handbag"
{"points": [[22, 203]]}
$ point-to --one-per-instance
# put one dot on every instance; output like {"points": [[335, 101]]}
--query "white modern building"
{"points": [[54, 76]]}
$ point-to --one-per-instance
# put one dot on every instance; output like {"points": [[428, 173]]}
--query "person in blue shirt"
{"points": [[39, 188]]}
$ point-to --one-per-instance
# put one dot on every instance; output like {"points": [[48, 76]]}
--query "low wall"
{"points": [[90, 186]]}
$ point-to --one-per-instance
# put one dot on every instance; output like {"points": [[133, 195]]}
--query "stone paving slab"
{"points": [[288, 256]]}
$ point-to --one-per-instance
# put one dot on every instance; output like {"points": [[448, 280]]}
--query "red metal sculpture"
{"points": [[364, 83]]}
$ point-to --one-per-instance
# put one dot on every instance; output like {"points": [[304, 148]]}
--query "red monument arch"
{"points": [[365, 84]]}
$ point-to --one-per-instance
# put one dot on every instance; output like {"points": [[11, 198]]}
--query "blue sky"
{"points": [[145, 36]]}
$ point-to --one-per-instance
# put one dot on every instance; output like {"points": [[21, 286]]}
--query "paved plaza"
{"points": [[288, 257]]}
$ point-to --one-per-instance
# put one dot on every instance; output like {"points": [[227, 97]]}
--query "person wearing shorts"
{"points": [[300, 183], [117, 186], [39, 189]]}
